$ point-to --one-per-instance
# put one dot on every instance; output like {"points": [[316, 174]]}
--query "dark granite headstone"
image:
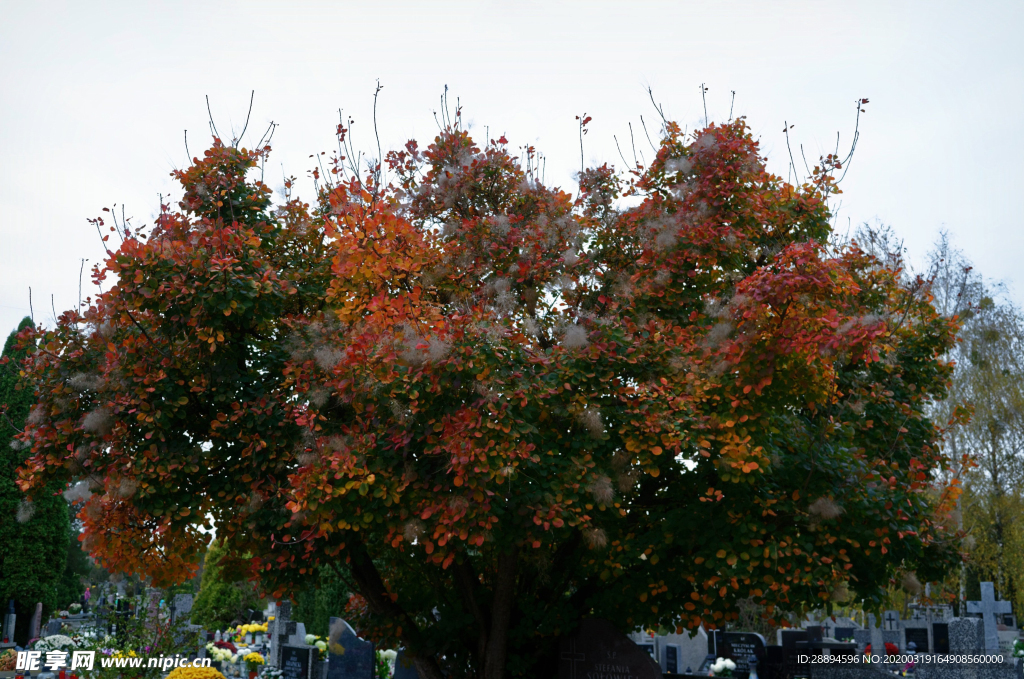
{"points": [[672, 658], [844, 633], [791, 636], [597, 649], [940, 634], [917, 635], [350, 656], [738, 647], [404, 667], [295, 662]]}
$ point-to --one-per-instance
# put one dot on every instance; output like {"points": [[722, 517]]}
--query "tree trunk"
{"points": [[468, 583], [371, 587], [501, 615]]}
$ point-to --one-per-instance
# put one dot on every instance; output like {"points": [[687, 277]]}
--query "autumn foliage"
{"points": [[495, 407]]}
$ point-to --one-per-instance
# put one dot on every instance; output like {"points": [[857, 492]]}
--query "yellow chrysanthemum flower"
{"points": [[194, 673]]}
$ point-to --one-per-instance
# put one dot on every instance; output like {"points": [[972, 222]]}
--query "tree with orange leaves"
{"points": [[492, 408]]}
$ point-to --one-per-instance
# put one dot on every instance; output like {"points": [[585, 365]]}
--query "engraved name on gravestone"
{"points": [[597, 649], [350, 656], [738, 647], [295, 661]]}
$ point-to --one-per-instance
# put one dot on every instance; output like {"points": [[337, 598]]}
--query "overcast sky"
{"points": [[95, 99]]}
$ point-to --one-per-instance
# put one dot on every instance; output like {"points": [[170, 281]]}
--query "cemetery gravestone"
{"points": [[917, 636], [350, 656], [940, 637], [298, 637], [52, 627], [37, 619], [989, 609], [181, 607], [404, 667], [9, 619], [295, 661], [877, 641], [278, 630], [596, 649], [738, 647], [966, 635], [844, 633], [672, 658]]}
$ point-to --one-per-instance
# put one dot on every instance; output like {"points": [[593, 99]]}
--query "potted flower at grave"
{"points": [[1018, 648], [722, 667], [253, 661], [75, 609]]}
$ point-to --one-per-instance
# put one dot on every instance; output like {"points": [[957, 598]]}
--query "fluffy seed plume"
{"points": [[80, 492], [25, 511], [602, 491], [327, 357], [596, 538], [85, 382], [99, 421], [840, 593], [825, 508], [910, 583], [127, 487], [590, 418], [412, 530], [575, 337]]}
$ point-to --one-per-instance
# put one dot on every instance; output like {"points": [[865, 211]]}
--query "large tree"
{"points": [[493, 408], [34, 535]]}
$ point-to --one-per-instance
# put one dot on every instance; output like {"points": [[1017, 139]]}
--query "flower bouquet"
{"points": [[722, 667], [75, 609], [253, 661]]}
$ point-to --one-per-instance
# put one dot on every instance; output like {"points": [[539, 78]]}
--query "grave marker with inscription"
{"points": [[596, 649], [295, 661]]}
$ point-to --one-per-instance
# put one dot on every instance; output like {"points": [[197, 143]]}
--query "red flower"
{"points": [[890, 648]]}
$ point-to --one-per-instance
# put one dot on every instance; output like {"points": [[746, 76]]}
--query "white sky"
{"points": [[94, 99]]}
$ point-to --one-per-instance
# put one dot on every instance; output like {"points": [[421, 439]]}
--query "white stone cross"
{"points": [[988, 607]]}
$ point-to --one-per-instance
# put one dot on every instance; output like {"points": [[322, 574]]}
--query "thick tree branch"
{"points": [[371, 587]]}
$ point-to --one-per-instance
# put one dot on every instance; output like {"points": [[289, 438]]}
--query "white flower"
{"points": [[57, 641], [729, 664], [310, 639]]}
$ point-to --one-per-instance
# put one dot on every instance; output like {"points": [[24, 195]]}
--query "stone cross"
{"points": [[891, 620], [988, 607]]}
